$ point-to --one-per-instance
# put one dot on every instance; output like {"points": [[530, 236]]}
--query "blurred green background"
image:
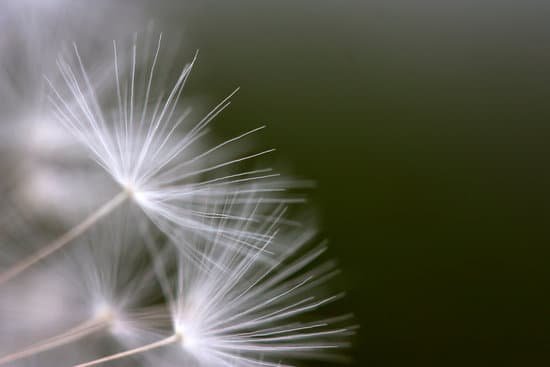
{"points": [[426, 126]]}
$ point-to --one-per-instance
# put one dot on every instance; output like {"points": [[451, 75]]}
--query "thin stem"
{"points": [[161, 343], [78, 332], [65, 238]]}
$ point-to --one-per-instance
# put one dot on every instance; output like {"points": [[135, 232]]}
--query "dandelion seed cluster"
{"points": [[129, 233]]}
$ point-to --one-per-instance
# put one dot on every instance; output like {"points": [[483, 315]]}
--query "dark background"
{"points": [[426, 126]]}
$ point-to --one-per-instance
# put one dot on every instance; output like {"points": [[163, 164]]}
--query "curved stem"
{"points": [[161, 343], [78, 332], [65, 238]]}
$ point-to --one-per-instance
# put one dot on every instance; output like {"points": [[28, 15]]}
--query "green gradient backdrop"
{"points": [[426, 125]]}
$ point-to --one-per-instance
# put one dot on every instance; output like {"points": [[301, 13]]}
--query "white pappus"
{"points": [[142, 137], [104, 287], [231, 308]]}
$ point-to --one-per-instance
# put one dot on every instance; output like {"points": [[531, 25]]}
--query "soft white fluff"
{"points": [[140, 134]]}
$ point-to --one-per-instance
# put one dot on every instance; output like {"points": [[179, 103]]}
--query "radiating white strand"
{"points": [[246, 315], [165, 162], [233, 308]]}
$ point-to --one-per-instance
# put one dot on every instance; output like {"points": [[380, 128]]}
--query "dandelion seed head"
{"points": [[234, 308], [243, 283], [150, 148]]}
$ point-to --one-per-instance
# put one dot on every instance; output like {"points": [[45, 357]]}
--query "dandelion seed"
{"points": [[107, 289], [140, 146], [231, 309]]}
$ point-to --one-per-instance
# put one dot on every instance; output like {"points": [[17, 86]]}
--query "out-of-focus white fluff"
{"points": [[32, 144], [102, 288]]}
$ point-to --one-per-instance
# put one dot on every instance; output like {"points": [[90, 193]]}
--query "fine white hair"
{"points": [[140, 134]]}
